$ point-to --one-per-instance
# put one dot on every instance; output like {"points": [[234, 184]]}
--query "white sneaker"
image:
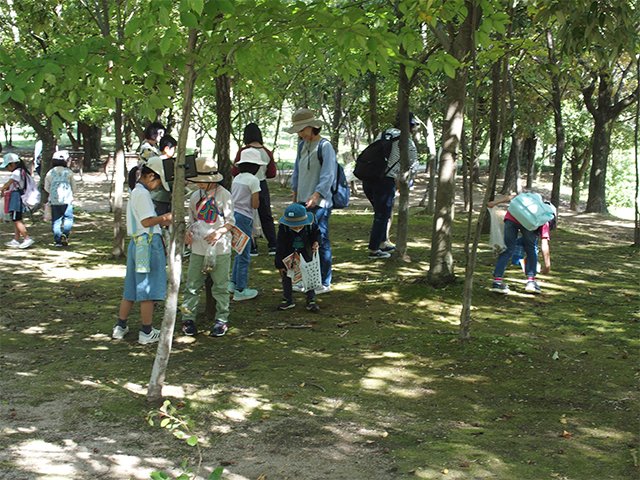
{"points": [[147, 338], [12, 244], [323, 289], [298, 287], [27, 242], [119, 332]]}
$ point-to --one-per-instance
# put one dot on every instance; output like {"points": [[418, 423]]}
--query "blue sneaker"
{"points": [[231, 288], [246, 294], [189, 328]]}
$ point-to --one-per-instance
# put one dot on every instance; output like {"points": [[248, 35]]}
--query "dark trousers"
{"points": [[381, 195], [287, 290]]}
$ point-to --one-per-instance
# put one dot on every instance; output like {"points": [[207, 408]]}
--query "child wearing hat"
{"points": [[245, 191], [146, 277], [14, 185], [211, 219], [298, 232]]}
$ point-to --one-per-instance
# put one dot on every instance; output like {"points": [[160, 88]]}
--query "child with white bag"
{"points": [[298, 233]]}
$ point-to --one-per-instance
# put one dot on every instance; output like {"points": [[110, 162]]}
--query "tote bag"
{"points": [[311, 276]]}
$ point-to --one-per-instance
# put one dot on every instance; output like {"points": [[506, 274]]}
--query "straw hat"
{"points": [[303, 118], [296, 215], [207, 170]]}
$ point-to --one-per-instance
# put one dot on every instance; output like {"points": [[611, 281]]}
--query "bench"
{"points": [[130, 161]]}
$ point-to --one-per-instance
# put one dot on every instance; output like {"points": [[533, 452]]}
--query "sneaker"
{"points": [[246, 294], [323, 289], [298, 287], [58, 245], [189, 328], [532, 287], [388, 248], [119, 332], [26, 243], [312, 306], [219, 329], [254, 252], [378, 254], [272, 250], [63, 240], [231, 288], [12, 244], [285, 304], [499, 287], [147, 338]]}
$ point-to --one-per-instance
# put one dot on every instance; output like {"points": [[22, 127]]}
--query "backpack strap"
{"points": [[322, 140]]}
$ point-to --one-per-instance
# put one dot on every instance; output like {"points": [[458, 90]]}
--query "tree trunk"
{"points": [[223, 128], [512, 181], [556, 100], [337, 117], [604, 114], [402, 179], [441, 262], [118, 189], [373, 107], [154, 393], [529, 154], [579, 162], [466, 189]]}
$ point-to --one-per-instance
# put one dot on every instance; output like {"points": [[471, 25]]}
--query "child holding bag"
{"points": [[298, 233], [146, 277], [15, 186], [209, 234]]}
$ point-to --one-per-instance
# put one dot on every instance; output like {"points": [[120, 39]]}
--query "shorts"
{"points": [[140, 287]]}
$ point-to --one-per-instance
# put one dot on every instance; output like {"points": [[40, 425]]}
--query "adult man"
{"points": [[311, 181]]}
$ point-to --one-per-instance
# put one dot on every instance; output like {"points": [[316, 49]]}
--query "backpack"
{"points": [[340, 192], [60, 190], [30, 194], [372, 163], [531, 211]]}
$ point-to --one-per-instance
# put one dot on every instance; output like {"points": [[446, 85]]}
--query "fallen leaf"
{"points": [[265, 416], [555, 356], [445, 471], [302, 385], [464, 464], [566, 434]]}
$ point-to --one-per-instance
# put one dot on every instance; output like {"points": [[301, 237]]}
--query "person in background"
{"points": [[253, 140], [144, 282], [245, 191], [162, 197], [381, 193], [311, 182], [211, 211], [61, 185], [15, 185], [530, 244], [37, 157], [149, 146]]}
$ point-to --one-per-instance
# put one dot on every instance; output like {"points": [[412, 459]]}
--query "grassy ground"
{"points": [[546, 389]]}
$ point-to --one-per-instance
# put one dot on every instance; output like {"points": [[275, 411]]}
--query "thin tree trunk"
{"points": [[373, 107], [154, 393], [223, 128], [118, 188], [400, 252], [337, 117], [556, 100]]}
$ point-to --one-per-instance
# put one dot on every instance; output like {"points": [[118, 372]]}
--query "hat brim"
{"points": [[5, 164], [206, 178], [301, 222], [297, 127]]}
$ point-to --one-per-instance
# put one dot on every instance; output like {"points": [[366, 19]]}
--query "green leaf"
{"points": [[164, 422], [197, 6], [449, 70], [18, 95], [159, 476], [226, 6], [216, 474], [192, 440], [189, 20]]}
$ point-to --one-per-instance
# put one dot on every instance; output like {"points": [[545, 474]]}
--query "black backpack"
{"points": [[340, 192], [372, 163]]}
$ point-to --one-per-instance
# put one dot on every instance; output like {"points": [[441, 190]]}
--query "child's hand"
{"points": [[314, 247], [188, 238], [166, 220], [213, 238], [283, 272]]}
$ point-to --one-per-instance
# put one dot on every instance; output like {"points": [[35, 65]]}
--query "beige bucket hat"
{"points": [[303, 118]]}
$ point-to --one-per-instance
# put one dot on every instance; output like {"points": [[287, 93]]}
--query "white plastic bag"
{"points": [[311, 275], [496, 235]]}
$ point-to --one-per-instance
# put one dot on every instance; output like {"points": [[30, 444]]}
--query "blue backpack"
{"points": [[340, 192]]}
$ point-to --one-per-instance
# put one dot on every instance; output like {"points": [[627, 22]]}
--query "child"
{"points": [[15, 185], [298, 232], [245, 191], [61, 185], [211, 212], [145, 282], [162, 197]]}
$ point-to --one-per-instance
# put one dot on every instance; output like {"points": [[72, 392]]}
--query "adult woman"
{"points": [[311, 182], [253, 139]]}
